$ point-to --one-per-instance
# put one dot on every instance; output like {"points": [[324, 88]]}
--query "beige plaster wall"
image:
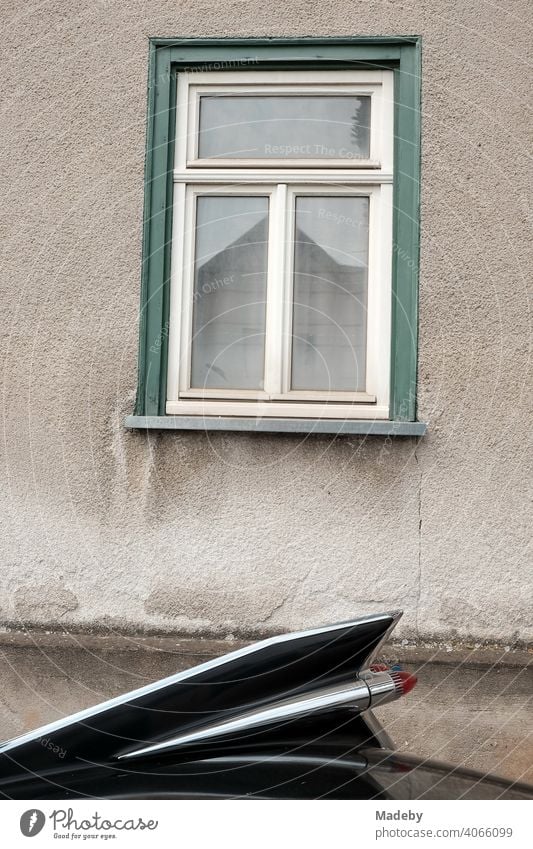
{"points": [[227, 533]]}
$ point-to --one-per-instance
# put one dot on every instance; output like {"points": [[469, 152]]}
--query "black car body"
{"points": [[289, 717]]}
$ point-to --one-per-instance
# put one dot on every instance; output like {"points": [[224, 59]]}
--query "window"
{"points": [[272, 229], [281, 265]]}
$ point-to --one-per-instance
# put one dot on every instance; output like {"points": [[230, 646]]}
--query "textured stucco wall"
{"points": [[225, 533]]}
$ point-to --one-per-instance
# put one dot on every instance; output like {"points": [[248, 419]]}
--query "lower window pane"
{"points": [[330, 293], [229, 299]]}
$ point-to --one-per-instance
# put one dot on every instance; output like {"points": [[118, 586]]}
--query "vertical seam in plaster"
{"points": [[419, 575]]}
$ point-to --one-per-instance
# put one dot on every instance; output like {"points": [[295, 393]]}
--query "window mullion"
{"points": [[275, 291], [288, 287]]}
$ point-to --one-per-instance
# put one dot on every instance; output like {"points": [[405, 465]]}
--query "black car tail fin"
{"points": [[276, 669]]}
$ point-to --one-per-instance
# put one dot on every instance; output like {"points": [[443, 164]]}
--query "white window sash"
{"points": [[280, 410], [378, 85], [282, 185]]}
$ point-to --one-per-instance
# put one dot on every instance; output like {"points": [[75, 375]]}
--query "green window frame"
{"points": [[167, 57]]}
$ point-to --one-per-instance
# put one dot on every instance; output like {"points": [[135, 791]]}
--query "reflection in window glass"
{"points": [[229, 297], [284, 127], [330, 293]]}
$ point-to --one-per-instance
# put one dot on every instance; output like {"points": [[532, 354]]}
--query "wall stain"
{"points": [[44, 602]]}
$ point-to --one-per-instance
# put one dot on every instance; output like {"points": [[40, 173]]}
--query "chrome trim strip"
{"points": [[356, 694], [353, 762]]}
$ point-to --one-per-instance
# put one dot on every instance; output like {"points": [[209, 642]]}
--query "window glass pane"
{"points": [[330, 293], [284, 127], [229, 299]]}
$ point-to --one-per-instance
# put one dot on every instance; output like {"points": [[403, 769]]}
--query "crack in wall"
{"points": [[291, 595], [276, 609], [419, 566]]}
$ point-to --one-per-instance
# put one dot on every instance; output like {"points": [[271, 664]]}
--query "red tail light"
{"points": [[403, 682]]}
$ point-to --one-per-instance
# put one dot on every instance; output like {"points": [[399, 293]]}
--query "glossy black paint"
{"points": [[262, 673], [330, 758]]}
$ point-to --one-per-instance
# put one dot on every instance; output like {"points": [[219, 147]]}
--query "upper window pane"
{"points": [[291, 126]]}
